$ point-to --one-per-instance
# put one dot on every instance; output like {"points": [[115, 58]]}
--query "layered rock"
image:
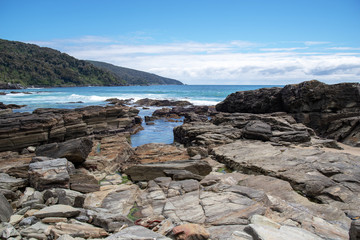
{"points": [[331, 110], [325, 177], [20, 130], [75, 150], [228, 127]]}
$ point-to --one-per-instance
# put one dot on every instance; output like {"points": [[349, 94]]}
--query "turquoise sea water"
{"points": [[160, 132]]}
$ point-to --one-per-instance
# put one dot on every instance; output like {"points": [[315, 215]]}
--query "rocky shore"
{"points": [[256, 167]]}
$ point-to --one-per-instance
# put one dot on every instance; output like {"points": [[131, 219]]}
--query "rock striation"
{"points": [[331, 110], [20, 130]]}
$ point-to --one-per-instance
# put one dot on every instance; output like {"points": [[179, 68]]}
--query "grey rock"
{"points": [[257, 130], [111, 222], [8, 231], [37, 231], [5, 209], [75, 150], [151, 171], [28, 221], [11, 183], [136, 232], [322, 176], [57, 211], [50, 174]]}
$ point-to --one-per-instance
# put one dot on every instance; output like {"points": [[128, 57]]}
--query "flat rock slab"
{"points": [[326, 177], [146, 172], [57, 211], [136, 232]]}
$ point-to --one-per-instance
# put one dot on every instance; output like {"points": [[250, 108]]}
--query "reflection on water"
{"points": [[160, 132]]}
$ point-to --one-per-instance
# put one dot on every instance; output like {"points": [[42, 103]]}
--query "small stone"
{"points": [[28, 221], [15, 219], [31, 149]]}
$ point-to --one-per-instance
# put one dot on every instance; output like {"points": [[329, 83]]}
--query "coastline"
{"points": [[254, 166]]}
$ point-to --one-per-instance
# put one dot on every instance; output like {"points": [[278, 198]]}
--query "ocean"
{"points": [[160, 132]]}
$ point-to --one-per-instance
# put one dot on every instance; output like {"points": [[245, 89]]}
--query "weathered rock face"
{"points": [[110, 153], [50, 173], [228, 127], [326, 177], [75, 150], [331, 110], [20, 130], [264, 100]]}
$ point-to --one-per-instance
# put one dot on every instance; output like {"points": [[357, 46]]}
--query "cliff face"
{"points": [[20, 130], [333, 111]]}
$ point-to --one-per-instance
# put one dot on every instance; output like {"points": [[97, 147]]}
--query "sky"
{"points": [[199, 41]]}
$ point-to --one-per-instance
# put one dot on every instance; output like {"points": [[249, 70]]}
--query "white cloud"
{"points": [[235, 62], [311, 43], [344, 48], [282, 49]]}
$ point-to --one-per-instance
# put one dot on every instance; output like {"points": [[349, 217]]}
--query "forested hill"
{"points": [[135, 77], [31, 65]]}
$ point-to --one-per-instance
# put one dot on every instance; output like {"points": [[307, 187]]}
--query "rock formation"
{"points": [[331, 110], [20, 130]]}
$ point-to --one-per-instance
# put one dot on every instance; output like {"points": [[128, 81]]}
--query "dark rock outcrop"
{"points": [[20, 130], [161, 103], [228, 127], [354, 233], [10, 106], [333, 111], [74, 150], [11, 86]]}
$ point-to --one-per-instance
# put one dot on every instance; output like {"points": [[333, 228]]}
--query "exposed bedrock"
{"points": [[325, 177], [224, 128], [20, 130], [333, 111]]}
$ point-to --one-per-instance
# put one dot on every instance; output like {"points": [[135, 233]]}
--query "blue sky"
{"points": [[198, 41]]}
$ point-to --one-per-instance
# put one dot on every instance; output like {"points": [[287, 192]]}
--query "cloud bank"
{"points": [[235, 62]]}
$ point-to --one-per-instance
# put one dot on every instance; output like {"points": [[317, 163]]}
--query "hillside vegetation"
{"points": [[31, 65], [135, 77]]}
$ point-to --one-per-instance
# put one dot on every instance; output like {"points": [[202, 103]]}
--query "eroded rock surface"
{"points": [[331, 110], [20, 130]]}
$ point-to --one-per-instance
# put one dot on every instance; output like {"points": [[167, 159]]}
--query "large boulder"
{"points": [[75, 150], [50, 174]]}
